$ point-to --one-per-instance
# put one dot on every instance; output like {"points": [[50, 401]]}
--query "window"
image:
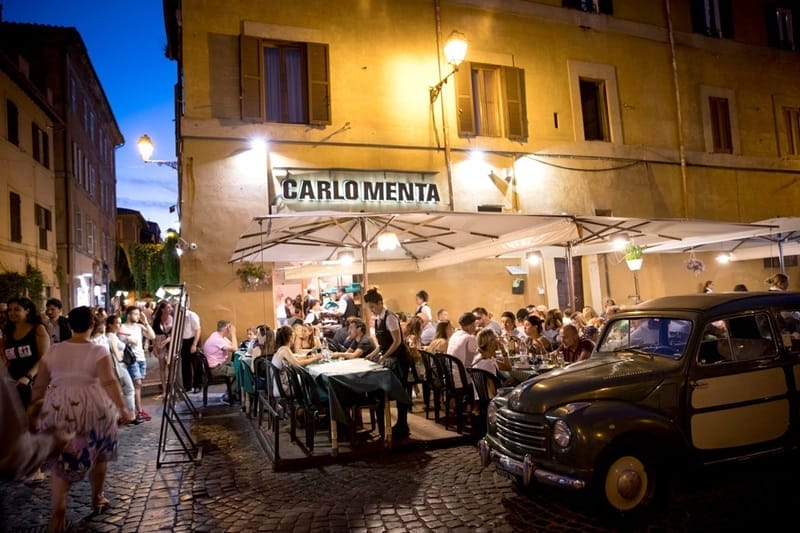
{"points": [[44, 221], [720, 124], [90, 231], [78, 224], [780, 27], [594, 101], [490, 101], [41, 145], [12, 116], [741, 338], [15, 212], [285, 82], [713, 18], [594, 110], [590, 6], [791, 117]]}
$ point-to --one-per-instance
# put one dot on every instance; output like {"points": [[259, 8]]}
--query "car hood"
{"points": [[601, 377]]}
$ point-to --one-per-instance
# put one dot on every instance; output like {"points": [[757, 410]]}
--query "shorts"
{"points": [[137, 370]]}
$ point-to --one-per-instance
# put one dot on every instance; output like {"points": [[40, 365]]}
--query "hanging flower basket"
{"points": [[694, 265], [251, 275]]}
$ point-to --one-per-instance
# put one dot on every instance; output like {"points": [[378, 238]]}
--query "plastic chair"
{"points": [[431, 386], [304, 387], [485, 385], [458, 395]]}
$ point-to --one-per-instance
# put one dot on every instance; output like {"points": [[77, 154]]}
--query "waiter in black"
{"points": [[391, 352]]}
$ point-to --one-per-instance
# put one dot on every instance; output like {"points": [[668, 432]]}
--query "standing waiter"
{"points": [[391, 351], [190, 373]]}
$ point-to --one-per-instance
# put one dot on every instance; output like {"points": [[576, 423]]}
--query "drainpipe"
{"points": [[446, 138], [681, 146]]}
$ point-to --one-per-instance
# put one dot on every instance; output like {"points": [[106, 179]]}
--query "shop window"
{"points": [[12, 119], [594, 110], [285, 82], [44, 223], [791, 117], [15, 216], [720, 124], [491, 101], [41, 145], [713, 18], [590, 6], [781, 31]]}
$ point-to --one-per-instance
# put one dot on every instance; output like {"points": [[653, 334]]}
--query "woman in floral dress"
{"points": [[77, 390]]}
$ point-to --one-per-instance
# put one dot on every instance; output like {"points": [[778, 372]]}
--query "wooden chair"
{"points": [[485, 385], [459, 395]]}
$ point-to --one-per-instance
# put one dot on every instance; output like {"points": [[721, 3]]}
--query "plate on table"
{"points": [[521, 366]]}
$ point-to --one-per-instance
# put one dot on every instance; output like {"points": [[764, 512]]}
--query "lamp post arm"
{"points": [[436, 89], [171, 164]]}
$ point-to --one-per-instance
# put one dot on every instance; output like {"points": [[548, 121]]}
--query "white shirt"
{"points": [[191, 325], [464, 346]]}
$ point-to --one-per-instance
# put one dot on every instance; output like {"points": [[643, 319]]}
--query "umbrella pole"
{"points": [[571, 276], [780, 255], [364, 270]]}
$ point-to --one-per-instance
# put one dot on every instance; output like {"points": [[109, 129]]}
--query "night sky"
{"points": [[126, 42]]}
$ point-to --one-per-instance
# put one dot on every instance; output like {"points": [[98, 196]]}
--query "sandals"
{"points": [[100, 506]]}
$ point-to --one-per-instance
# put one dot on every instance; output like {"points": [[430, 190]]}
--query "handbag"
{"points": [[128, 357]]}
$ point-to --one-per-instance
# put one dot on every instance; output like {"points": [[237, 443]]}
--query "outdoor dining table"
{"points": [[348, 376]]}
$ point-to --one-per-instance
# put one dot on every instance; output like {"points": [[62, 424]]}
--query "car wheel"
{"points": [[631, 483]]}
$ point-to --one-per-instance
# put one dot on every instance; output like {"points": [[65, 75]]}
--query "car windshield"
{"points": [[651, 335]]}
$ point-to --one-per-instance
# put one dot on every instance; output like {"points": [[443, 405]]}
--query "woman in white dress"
{"points": [[77, 389]]}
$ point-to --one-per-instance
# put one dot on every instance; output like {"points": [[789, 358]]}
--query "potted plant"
{"points": [[251, 275], [633, 255], [695, 265]]}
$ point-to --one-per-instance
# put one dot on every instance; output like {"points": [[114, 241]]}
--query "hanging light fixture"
{"points": [[346, 257], [388, 241]]}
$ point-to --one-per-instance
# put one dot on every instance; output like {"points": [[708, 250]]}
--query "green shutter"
{"points": [[319, 90], [252, 84], [464, 107], [516, 119]]}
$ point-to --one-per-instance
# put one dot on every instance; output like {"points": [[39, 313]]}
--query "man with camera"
{"points": [[219, 349]]}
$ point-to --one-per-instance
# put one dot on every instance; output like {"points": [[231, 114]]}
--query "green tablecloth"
{"points": [[241, 369], [347, 378]]}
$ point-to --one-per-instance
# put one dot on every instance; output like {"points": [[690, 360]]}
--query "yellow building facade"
{"points": [[653, 109]]}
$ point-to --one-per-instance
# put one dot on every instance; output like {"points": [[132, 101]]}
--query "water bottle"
{"points": [[326, 351]]}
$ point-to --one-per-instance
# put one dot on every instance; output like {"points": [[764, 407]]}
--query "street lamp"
{"points": [[145, 146], [455, 50]]}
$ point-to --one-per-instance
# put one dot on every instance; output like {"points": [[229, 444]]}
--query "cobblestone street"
{"points": [[234, 489]]}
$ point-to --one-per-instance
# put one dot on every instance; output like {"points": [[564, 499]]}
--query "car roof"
{"points": [[717, 302]]}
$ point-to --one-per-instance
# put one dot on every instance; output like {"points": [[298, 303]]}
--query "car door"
{"points": [[738, 393]]}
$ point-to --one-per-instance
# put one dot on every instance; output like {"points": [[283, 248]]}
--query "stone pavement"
{"points": [[235, 489]]}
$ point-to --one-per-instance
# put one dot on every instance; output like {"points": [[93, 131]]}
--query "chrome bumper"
{"points": [[526, 470]]}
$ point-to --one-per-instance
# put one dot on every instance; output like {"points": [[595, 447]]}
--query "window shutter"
{"points": [[464, 107], [726, 18], [516, 120], [252, 83], [319, 91]]}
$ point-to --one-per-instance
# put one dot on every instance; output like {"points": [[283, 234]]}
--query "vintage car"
{"points": [[673, 382]]}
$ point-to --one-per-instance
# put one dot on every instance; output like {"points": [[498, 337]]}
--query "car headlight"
{"points": [[562, 434], [491, 413]]}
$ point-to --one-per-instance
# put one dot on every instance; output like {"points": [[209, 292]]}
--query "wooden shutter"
{"points": [[464, 105], [699, 17], [514, 86], [252, 82], [319, 90], [726, 18]]}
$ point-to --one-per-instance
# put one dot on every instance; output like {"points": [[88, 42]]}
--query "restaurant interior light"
{"points": [[534, 259], [388, 241], [724, 258]]}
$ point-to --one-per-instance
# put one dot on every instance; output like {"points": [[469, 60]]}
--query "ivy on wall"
{"points": [[146, 267], [30, 284]]}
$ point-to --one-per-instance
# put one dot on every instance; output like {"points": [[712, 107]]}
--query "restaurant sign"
{"points": [[357, 187]]}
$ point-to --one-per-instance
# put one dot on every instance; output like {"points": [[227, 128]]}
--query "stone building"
{"points": [[83, 160], [654, 109]]}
